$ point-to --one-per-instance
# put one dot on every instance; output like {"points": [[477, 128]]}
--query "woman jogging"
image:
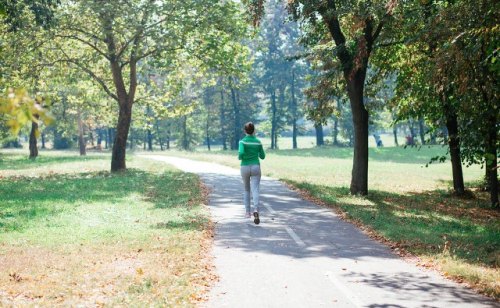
{"points": [[249, 151]]}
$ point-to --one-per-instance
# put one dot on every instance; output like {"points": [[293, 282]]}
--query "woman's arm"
{"points": [[241, 150], [262, 154]]}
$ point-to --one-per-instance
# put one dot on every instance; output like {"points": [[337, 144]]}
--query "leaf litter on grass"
{"points": [[141, 265]]}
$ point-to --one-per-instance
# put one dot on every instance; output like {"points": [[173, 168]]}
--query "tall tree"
{"points": [[22, 24], [277, 70], [470, 57], [118, 37], [354, 28]]}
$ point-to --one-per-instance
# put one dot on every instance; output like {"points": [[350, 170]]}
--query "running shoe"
{"points": [[256, 219]]}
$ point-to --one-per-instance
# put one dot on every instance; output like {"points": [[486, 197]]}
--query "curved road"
{"points": [[302, 255]]}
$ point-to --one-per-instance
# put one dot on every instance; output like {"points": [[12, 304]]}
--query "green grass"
{"points": [[140, 233], [459, 236], [305, 142], [408, 155], [390, 169], [408, 204], [423, 221], [17, 162]]}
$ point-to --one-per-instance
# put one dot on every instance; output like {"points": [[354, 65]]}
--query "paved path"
{"points": [[302, 255]]}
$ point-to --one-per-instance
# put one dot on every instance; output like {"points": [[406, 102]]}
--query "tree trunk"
{"points": [[185, 141], [168, 136], [444, 131], [207, 132], [433, 138], [319, 135], [81, 138], [273, 119], [280, 107], [223, 121], [355, 64], [411, 125], [294, 113], [454, 144], [32, 141], [294, 134], [120, 140], [335, 131], [355, 89], [395, 133], [421, 128], [110, 137], [160, 140], [99, 138], [150, 140], [237, 124], [106, 140], [131, 136], [43, 140], [491, 159]]}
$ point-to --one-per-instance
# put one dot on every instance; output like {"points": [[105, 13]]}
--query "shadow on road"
{"points": [[325, 236]]}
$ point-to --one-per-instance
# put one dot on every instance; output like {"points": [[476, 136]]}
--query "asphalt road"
{"points": [[303, 255]]}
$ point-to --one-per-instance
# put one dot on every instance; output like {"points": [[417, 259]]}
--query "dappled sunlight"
{"points": [[303, 150], [322, 166], [406, 286], [426, 221], [293, 234], [96, 238], [353, 200]]}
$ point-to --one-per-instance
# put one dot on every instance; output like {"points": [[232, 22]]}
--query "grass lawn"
{"points": [[304, 142], [409, 204], [73, 234]]}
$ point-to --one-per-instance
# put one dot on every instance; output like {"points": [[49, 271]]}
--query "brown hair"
{"points": [[249, 128]]}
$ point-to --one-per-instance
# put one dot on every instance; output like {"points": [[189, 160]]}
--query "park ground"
{"points": [[93, 237], [410, 205], [73, 234]]}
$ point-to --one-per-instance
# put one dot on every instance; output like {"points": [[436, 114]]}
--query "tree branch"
{"points": [[74, 37], [95, 77], [88, 34], [390, 6], [378, 29], [393, 43], [328, 14]]}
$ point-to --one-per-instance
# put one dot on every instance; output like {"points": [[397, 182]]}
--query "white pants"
{"points": [[251, 181]]}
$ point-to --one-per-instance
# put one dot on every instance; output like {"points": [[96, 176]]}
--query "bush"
{"points": [[61, 142]]}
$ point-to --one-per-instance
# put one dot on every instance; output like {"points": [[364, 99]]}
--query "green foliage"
{"points": [[14, 12], [279, 73], [17, 109]]}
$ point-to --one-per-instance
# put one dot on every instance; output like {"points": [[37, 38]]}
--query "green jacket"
{"points": [[249, 151]]}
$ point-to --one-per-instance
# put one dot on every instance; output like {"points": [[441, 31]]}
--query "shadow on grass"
{"points": [[24, 199], [188, 222], [409, 155], [180, 190], [298, 230], [430, 222], [18, 162]]}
